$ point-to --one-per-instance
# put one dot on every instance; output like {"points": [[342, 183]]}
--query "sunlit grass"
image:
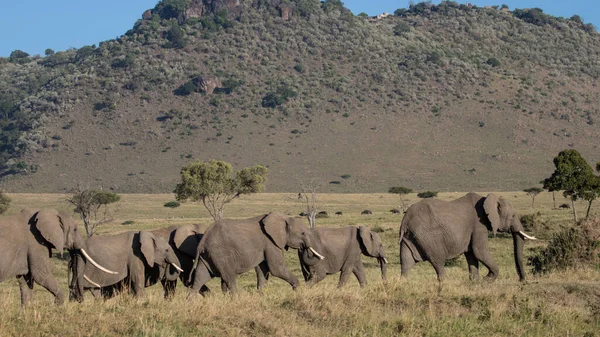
{"points": [[558, 304]]}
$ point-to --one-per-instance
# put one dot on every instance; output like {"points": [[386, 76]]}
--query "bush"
{"points": [[128, 222], [172, 204], [176, 38], [571, 247], [493, 62], [4, 202], [427, 194], [277, 98], [401, 28]]}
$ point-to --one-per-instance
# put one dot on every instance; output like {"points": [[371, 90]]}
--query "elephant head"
{"points": [[290, 232], [157, 250], [57, 228], [185, 240], [503, 218], [373, 246]]}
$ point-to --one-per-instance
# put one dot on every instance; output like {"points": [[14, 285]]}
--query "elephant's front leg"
{"points": [[26, 285], [359, 272], [262, 275], [41, 274], [277, 267], [473, 266]]}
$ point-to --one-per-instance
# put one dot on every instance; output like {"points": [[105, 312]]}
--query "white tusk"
{"points": [[177, 267], [91, 282], [385, 260], [321, 257], [96, 264], [527, 236]]}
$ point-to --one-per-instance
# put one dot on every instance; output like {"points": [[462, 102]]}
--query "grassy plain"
{"points": [[564, 303]]}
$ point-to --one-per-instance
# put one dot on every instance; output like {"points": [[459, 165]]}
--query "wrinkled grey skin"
{"points": [[138, 257], [342, 248], [184, 241], [232, 247], [27, 240], [434, 230]]}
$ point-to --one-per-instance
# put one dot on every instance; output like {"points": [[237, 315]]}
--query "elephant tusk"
{"points": [[385, 260], [525, 236], [91, 282], [177, 267], [96, 264], [321, 257]]}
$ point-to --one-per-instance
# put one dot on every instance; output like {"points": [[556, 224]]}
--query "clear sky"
{"points": [[34, 25]]}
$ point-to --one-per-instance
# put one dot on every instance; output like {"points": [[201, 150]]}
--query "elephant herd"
{"points": [[431, 230]]}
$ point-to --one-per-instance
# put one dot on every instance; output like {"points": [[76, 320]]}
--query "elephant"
{"points": [[342, 248], [434, 230], [232, 247], [184, 241], [140, 258], [27, 240]]}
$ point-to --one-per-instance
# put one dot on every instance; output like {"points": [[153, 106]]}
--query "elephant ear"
{"points": [[148, 244], [490, 205], [275, 225], [367, 239], [50, 225], [186, 239]]}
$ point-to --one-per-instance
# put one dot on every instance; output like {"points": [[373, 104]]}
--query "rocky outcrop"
{"points": [[147, 15], [195, 9], [208, 84], [286, 10]]}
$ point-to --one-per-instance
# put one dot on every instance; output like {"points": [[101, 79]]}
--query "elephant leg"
{"points": [[169, 288], [229, 283], [407, 261], [224, 287], [26, 285], [278, 268], [201, 276], [359, 272], [97, 292], [138, 284], [483, 255], [317, 274], [262, 274], [438, 265], [42, 275], [346, 272], [473, 266]]}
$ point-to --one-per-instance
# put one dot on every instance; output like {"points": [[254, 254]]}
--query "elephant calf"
{"points": [[342, 248], [136, 256]]}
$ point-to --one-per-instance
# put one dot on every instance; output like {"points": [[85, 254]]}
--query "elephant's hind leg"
{"points": [[344, 276], [473, 266], [407, 260], [26, 285], [201, 276]]}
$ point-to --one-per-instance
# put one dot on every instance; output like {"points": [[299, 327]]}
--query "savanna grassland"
{"points": [[564, 303]]}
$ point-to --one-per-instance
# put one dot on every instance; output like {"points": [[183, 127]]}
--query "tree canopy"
{"points": [[4, 202], [93, 207], [427, 194], [533, 192], [575, 177], [214, 184]]}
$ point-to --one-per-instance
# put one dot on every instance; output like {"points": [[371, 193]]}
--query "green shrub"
{"points": [[128, 222], [427, 194], [279, 97], [571, 247], [401, 28], [4, 202], [172, 204], [493, 62]]}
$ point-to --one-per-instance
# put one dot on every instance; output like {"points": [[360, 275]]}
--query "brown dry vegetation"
{"points": [[410, 109], [557, 304]]}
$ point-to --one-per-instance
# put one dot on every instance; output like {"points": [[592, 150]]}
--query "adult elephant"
{"points": [[27, 240], [184, 241], [138, 257], [434, 230], [342, 249], [232, 247]]}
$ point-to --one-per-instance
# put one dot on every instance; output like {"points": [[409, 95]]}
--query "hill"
{"points": [[447, 97]]}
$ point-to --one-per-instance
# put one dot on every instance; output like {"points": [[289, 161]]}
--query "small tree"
{"points": [[93, 207], [533, 192], [308, 197], [427, 194], [213, 183], [4, 202], [574, 176], [400, 190]]}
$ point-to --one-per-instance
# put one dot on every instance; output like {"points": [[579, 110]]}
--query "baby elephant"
{"points": [[342, 248]]}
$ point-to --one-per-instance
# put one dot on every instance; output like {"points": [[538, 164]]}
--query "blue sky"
{"points": [[33, 26]]}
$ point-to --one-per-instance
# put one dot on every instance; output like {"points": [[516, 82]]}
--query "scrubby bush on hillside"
{"points": [[572, 247], [279, 97], [4, 202]]}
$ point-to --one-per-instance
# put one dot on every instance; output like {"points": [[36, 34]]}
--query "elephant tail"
{"points": [[403, 229], [199, 250]]}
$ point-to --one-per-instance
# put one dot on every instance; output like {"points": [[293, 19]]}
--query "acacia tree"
{"points": [[400, 190], [575, 177], [533, 192], [214, 184], [4, 202], [93, 207]]}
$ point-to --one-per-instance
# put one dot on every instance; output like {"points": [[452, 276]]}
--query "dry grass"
{"points": [[558, 304]]}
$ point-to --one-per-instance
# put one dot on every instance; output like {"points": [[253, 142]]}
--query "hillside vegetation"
{"points": [[445, 97]]}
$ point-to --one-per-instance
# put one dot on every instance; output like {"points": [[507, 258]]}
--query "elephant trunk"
{"points": [[518, 241], [383, 265], [174, 263], [76, 267], [309, 258]]}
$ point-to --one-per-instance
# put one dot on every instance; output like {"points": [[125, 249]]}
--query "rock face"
{"points": [[209, 84], [286, 11], [147, 15], [195, 9]]}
